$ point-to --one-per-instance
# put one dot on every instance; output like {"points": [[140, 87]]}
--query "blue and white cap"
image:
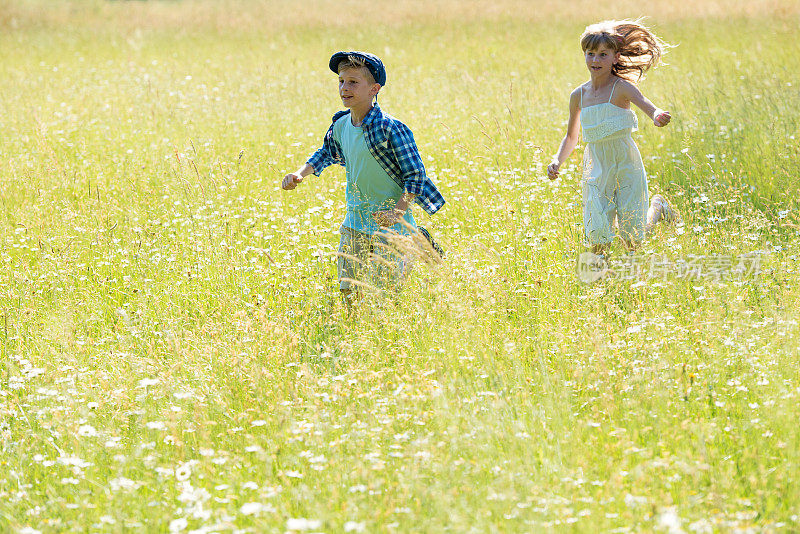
{"points": [[373, 64]]}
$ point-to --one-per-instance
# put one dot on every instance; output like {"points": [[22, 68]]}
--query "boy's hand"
{"points": [[661, 118], [387, 217], [290, 181], [552, 170]]}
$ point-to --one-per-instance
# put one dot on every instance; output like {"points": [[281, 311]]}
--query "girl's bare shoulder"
{"points": [[575, 95], [582, 87], [626, 87]]}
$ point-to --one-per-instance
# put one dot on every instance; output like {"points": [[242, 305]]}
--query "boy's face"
{"points": [[355, 89]]}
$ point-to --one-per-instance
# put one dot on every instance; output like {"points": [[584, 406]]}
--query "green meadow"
{"points": [[174, 354]]}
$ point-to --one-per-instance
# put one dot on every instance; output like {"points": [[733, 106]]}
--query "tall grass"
{"points": [[174, 357]]}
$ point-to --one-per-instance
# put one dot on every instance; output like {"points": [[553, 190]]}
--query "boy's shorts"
{"points": [[370, 260]]}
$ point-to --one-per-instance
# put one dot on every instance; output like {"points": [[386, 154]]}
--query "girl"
{"points": [[617, 54]]}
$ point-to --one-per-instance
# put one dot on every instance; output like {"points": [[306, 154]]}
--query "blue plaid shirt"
{"points": [[392, 145]]}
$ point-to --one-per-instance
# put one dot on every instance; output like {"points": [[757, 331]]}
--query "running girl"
{"points": [[614, 184]]}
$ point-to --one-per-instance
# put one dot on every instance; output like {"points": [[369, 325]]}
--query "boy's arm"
{"points": [[291, 180], [406, 153], [418, 186], [404, 202], [315, 164], [322, 158], [393, 216], [659, 116], [412, 171], [571, 138]]}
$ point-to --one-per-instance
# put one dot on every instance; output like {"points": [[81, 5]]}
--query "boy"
{"points": [[384, 175]]}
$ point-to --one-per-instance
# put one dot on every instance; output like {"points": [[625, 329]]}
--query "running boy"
{"points": [[384, 175]]}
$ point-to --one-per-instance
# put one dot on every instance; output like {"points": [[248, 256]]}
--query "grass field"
{"points": [[174, 358]]}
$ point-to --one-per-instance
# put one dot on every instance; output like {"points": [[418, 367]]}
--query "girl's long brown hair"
{"points": [[638, 47]]}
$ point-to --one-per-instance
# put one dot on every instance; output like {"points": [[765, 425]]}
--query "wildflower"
{"points": [[178, 525], [34, 372], [74, 461], [87, 431], [251, 508], [143, 383], [633, 500], [164, 471], [191, 494], [123, 483], [669, 520], [183, 471], [702, 526], [302, 524]]}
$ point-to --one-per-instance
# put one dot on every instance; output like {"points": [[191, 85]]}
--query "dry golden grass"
{"points": [[271, 15]]}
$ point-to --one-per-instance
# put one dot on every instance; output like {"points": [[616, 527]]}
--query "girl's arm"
{"points": [[571, 139], [658, 115]]}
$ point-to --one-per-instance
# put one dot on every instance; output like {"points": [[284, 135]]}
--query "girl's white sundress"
{"points": [[614, 180]]}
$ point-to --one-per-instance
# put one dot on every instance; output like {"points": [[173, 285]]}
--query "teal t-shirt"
{"points": [[369, 187]]}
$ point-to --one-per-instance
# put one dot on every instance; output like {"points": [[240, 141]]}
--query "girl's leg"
{"points": [[601, 250], [631, 245], [659, 210]]}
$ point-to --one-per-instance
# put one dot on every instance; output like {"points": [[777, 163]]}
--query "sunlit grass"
{"points": [[174, 356]]}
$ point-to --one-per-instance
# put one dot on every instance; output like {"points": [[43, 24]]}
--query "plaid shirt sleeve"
{"points": [[329, 153], [412, 170], [320, 160]]}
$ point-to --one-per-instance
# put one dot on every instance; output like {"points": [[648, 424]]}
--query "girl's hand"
{"points": [[661, 118], [552, 170]]}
